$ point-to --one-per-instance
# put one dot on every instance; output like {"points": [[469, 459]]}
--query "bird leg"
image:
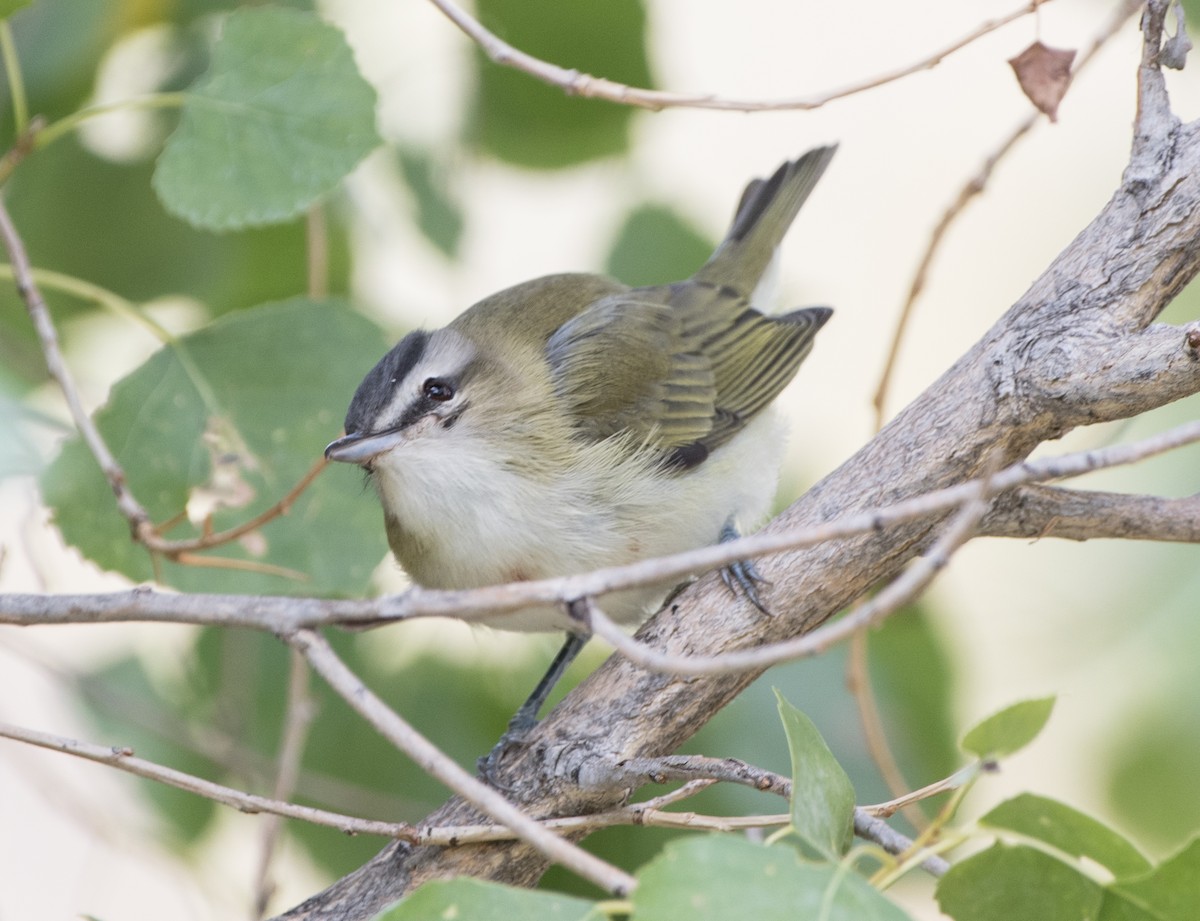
{"points": [[526, 716]]}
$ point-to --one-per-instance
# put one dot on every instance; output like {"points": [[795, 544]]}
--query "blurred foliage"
{"points": [[439, 212], [655, 246], [528, 123], [18, 454], [122, 240], [916, 703], [1156, 764]]}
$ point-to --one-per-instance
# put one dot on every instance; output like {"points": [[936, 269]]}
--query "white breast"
{"points": [[472, 520]]}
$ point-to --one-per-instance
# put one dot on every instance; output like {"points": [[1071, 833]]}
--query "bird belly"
{"points": [[483, 523]]}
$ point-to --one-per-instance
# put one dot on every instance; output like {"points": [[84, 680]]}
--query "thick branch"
{"points": [[1049, 511]]}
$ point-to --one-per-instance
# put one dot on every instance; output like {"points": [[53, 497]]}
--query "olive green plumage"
{"points": [[683, 366]]}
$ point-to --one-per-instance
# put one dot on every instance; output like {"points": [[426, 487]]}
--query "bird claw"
{"points": [[514, 736], [742, 575]]}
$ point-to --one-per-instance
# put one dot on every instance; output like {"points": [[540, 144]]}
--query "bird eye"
{"points": [[437, 390]]}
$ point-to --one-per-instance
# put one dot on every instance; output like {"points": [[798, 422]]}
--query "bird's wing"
{"points": [[624, 364], [752, 356], [684, 367]]}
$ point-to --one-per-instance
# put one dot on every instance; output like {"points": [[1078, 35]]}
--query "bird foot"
{"points": [[743, 575], [514, 737]]}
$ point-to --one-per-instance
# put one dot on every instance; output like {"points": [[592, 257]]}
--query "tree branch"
{"points": [[868, 613], [574, 83], [1051, 511], [124, 759], [439, 766]]}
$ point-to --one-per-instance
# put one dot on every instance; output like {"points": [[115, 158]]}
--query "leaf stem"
{"points": [[126, 309], [69, 123], [16, 82]]}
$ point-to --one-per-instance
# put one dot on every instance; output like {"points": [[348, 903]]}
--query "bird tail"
{"points": [[766, 211]]}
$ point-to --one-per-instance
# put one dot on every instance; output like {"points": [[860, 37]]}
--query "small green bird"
{"points": [[572, 422]]}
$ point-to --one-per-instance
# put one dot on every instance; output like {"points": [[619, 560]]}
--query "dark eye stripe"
{"points": [[376, 390]]}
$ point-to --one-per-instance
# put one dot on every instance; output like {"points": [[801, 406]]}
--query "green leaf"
{"points": [[1170, 892], [8, 7], [1155, 763], [656, 246], [1006, 883], [524, 121], [822, 795], [1067, 830], [916, 702], [723, 877], [475, 900], [1010, 730], [263, 391], [281, 117], [113, 207], [439, 215]]}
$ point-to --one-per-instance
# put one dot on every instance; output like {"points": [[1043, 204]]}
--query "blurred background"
{"points": [[487, 179]]}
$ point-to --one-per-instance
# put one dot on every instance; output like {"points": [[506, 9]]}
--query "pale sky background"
{"points": [[1021, 615]]}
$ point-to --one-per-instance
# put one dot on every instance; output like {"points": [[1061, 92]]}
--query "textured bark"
{"points": [[1077, 348]]}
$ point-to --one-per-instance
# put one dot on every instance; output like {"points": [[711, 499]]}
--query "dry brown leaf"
{"points": [[1044, 74]]}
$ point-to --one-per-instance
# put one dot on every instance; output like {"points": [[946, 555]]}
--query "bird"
{"points": [[573, 422]]}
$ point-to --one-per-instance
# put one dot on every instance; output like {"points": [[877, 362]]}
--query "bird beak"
{"points": [[361, 447]]}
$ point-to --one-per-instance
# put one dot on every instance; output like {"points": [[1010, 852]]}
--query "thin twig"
{"points": [[123, 759], [298, 718], [868, 820], [317, 239], [858, 681], [870, 612], [133, 511], [946, 785], [224, 749], [691, 768], [932, 840], [973, 187], [649, 813], [173, 548], [281, 614], [436, 764], [872, 828], [574, 83]]}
